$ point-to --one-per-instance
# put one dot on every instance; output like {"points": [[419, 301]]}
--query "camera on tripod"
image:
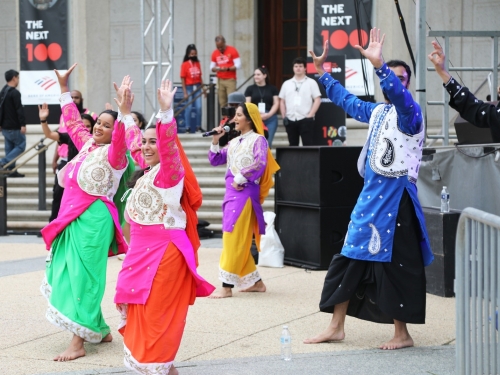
{"points": [[228, 111]]}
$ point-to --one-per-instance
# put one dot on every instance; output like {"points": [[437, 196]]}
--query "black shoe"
{"points": [[15, 174]]}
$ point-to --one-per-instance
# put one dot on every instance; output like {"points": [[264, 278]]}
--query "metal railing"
{"points": [[494, 35], [40, 149], [213, 106], [477, 291]]}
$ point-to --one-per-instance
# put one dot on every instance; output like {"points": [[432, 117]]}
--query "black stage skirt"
{"points": [[382, 291]]}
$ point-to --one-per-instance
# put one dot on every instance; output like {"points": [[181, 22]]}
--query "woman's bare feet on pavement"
{"points": [[257, 287], [328, 335], [222, 293], [75, 350], [397, 343], [173, 371], [107, 338]]}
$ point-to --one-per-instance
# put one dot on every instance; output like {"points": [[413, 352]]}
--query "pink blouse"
{"points": [[75, 201]]}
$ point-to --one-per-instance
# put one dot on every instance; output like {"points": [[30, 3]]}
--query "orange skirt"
{"points": [[153, 332]]}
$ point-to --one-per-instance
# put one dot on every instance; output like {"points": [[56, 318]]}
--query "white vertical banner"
{"points": [[354, 77], [39, 86]]}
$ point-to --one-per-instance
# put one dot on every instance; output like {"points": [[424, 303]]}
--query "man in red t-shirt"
{"points": [[225, 61]]}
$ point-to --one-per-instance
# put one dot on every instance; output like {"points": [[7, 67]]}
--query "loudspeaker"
{"points": [[311, 235], [442, 230], [319, 176]]}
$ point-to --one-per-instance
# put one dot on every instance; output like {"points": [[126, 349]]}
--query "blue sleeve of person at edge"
{"points": [[409, 113], [356, 108]]}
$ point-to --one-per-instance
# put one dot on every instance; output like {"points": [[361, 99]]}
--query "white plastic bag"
{"points": [[271, 250]]}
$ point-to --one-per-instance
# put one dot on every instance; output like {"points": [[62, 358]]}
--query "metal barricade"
{"points": [[477, 290]]}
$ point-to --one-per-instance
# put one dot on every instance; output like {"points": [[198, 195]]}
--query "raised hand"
{"points": [[126, 84], [438, 58], [374, 50], [125, 104], [320, 60], [43, 111], [64, 77], [108, 106], [166, 95]]}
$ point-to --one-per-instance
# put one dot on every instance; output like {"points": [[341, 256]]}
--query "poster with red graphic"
{"points": [[43, 34], [330, 120], [335, 22]]}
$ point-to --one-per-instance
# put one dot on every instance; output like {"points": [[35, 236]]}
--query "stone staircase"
{"points": [[23, 215]]}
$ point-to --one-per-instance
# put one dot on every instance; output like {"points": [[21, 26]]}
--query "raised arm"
{"points": [[337, 93], [171, 169], [133, 134], [472, 109], [71, 116], [117, 150], [43, 114], [409, 112]]}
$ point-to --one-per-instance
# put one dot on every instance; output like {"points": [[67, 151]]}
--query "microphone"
{"points": [[213, 132]]}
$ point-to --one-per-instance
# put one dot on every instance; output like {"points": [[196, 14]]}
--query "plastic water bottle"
{"points": [[286, 344], [445, 200]]}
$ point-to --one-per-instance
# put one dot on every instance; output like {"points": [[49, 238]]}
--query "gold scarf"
{"points": [[266, 181]]}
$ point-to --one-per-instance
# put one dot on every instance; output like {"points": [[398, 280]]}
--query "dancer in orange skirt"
{"points": [[158, 280]]}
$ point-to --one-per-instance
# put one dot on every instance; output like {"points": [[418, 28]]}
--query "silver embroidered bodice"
{"points": [[150, 205], [96, 176], [240, 153]]}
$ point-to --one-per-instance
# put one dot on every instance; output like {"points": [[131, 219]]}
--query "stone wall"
{"points": [[105, 39]]}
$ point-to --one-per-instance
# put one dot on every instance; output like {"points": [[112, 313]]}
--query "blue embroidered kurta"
{"points": [[373, 219]]}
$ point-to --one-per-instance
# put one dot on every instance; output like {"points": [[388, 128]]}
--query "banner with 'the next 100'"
{"points": [[44, 47], [335, 21]]}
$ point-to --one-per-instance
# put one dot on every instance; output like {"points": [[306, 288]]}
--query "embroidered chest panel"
{"points": [[96, 176], [394, 153], [151, 205], [240, 153]]}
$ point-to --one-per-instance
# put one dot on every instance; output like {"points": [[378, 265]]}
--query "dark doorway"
{"points": [[282, 36]]}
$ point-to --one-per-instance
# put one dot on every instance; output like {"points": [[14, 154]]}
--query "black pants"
{"points": [[382, 291], [302, 128], [58, 194]]}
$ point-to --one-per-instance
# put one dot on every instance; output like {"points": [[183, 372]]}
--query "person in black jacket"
{"points": [[475, 111], [12, 121], [61, 138]]}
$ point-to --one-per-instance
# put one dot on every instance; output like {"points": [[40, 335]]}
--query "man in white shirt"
{"points": [[300, 98]]}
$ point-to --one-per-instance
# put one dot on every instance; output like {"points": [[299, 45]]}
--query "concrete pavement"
{"points": [[238, 335]]}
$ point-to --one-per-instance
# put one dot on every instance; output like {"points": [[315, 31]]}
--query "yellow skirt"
{"points": [[236, 266]]}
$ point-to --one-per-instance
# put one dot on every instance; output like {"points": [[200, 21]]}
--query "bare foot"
{"points": [[331, 334], [107, 338], [222, 293], [173, 371], [398, 342], [75, 350], [257, 287]]}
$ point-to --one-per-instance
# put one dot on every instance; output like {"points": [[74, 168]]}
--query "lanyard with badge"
{"points": [[262, 105], [297, 98]]}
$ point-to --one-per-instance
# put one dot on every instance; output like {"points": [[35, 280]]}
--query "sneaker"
{"points": [[15, 174]]}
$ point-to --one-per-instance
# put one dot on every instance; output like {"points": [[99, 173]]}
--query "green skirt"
{"points": [[75, 276]]}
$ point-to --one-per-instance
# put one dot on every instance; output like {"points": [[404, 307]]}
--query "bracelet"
{"points": [[43, 121]]}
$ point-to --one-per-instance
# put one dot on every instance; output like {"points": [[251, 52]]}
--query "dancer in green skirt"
{"points": [[87, 228]]}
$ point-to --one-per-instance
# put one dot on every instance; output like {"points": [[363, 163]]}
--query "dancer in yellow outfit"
{"points": [[250, 166]]}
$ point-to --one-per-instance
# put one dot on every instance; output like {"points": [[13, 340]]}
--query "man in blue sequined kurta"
{"points": [[379, 275]]}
